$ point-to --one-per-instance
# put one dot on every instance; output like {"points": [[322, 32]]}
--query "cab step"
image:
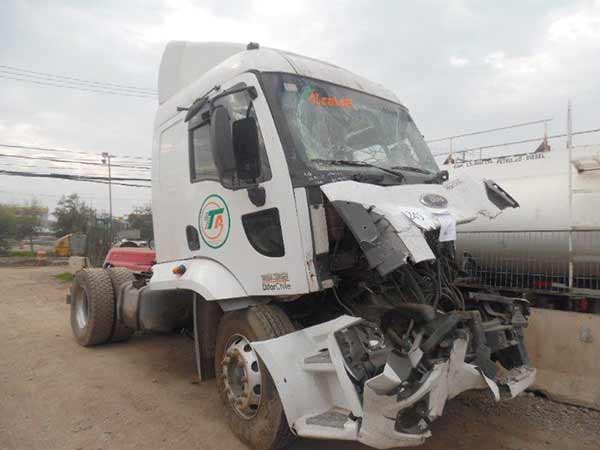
{"points": [[337, 423]]}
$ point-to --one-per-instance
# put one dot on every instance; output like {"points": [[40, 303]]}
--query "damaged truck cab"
{"points": [[306, 235]]}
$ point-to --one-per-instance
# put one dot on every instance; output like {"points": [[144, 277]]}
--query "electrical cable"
{"points": [[102, 180], [60, 150], [90, 163], [341, 303], [74, 79], [524, 141], [98, 91]]}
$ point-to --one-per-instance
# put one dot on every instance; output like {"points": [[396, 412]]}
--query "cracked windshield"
{"points": [[331, 125]]}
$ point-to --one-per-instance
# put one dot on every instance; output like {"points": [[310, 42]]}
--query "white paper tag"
{"points": [[447, 227], [419, 216]]}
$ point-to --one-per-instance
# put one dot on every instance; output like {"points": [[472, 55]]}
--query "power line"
{"points": [[525, 141], [62, 150], [30, 195], [474, 133], [102, 180], [68, 161], [17, 70], [34, 166], [71, 177], [77, 88], [26, 166]]}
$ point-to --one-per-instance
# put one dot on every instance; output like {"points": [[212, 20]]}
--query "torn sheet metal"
{"points": [[417, 244], [382, 247], [518, 379], [320, 400], [385, 245], [303, 380], [466, 199]]}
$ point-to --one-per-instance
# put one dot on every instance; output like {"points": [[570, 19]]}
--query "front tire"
{"points": [[252, 405], [92, 307]]}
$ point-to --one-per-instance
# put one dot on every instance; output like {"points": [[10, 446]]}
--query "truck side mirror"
{"points": [[246, 149], [221, 141]]}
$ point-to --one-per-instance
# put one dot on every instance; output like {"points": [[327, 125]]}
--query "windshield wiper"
{"points": [[413, 169], [436, 177], [343, 162]]}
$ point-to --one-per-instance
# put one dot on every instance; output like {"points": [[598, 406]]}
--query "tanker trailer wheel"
{"points": [[92, 307], [119, 276], [252, 405]]}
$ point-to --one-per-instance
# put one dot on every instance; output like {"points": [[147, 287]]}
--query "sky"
{"points": [[459, 66]]}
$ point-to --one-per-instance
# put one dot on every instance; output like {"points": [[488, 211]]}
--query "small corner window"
{"points": [[202, 164], [263, 230], [193, 239]]}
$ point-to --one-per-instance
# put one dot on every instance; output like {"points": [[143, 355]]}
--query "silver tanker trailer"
{"points": [[549, 248]]}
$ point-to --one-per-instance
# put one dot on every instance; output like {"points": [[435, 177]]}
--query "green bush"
{"points": [[24, 253], [67, 277]]}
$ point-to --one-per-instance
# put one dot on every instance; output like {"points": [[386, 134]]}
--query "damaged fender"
{"points": [[412, 208], [320, 373]]}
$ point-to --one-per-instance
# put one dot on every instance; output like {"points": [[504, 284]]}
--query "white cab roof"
{"points": [[189, 69]]}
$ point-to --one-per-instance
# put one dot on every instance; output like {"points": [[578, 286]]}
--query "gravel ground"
{"points": [[144, 394]]}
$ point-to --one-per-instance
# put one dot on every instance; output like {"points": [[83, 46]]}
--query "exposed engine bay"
{"points": [[394, 339]]}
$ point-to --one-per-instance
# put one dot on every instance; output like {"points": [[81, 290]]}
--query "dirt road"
{"points": [[143, 394]]}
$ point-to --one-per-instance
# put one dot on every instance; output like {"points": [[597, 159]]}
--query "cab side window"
{"points": [[240, 106], [202, 164]]}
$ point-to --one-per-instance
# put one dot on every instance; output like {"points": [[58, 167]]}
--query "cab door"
{"points": [[252, 229]]}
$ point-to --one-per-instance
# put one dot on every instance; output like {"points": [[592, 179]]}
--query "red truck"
{"points": [[136, 259]]}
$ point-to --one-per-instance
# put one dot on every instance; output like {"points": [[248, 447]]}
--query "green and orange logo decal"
{"points": [[214, 221]]}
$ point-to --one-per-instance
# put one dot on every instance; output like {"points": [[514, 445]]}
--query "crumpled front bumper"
{"points": [[444, 382], [321, 401]]}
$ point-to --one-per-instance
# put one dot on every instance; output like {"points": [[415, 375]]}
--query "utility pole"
{"points": [[570, 156], [106, 160], [569, 126]]}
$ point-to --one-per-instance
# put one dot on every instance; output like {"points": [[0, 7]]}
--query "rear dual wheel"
{"points": [[119, 276], [93, 306], [252, 405]]}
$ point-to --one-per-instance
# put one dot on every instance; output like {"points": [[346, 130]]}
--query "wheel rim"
{"points": [[241, 376], [81, 309]]}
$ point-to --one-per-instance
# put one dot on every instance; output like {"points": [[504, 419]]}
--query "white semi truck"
{"points": [[306, 235]]}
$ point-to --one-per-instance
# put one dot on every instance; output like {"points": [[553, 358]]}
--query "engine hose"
{"points": [[341, 303], [414, 286], [438, 293]]}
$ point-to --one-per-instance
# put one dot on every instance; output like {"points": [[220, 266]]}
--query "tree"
{"points": [[28, 221], [72, 216], [8, 222], [141, 219]]}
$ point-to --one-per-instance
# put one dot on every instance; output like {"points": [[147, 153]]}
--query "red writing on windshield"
{"points": [[334, 102]]}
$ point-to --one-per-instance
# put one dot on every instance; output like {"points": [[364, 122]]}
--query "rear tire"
{"points": [[92, 307], [119, 276], [262, 425]]}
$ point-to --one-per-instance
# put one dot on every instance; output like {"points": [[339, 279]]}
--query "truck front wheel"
{"points": [[92, 307], [252, 405]]}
